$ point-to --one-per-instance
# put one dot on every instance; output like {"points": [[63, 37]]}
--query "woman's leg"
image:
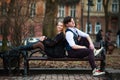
{"points": [[38, 45], [31, 46]]}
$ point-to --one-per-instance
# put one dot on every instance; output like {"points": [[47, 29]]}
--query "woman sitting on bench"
{"points": [[52, 47]]}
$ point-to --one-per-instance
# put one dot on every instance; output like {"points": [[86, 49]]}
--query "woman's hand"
{"points": [[42, 38]]}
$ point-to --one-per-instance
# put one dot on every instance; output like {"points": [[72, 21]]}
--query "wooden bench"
{"points": [[29, 57]]}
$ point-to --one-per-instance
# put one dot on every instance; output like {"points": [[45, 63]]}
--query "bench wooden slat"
{"points": [[59, 59]]}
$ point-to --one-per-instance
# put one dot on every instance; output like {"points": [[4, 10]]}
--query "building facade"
{"points": [[83, 12], [95, 17]]}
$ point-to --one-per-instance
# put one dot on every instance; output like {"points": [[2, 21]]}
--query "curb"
{"points": [[60, 70]]}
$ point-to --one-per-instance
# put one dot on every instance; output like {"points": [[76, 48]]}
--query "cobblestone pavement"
{"points": [[54, 77]]}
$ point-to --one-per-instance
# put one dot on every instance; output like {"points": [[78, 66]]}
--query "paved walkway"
{"points": [[54, 77]]}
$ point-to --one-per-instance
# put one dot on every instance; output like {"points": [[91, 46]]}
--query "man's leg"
{"points": [[81, 53], [83, 42]]}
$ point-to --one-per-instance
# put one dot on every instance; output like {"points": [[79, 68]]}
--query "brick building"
{"points": [[80, 13]]}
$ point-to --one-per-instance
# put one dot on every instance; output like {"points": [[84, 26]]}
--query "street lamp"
{"points": [[90, 3]]}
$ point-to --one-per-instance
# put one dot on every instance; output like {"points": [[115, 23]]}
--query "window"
{"points": [[115, 6], [99, 5], [97, 27], [33, 9], [90, 28], [61, 11], [73, 10]]}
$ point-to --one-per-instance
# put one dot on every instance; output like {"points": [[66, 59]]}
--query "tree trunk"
{"points": [[5, 32], [49, 19], [106, 20], [6, 24], [105, 5]]}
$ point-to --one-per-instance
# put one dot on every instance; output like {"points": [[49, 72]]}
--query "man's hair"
{"points": [[67, 19]]}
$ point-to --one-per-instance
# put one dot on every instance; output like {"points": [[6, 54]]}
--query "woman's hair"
{"points": [[67, 19], [59, 21]]}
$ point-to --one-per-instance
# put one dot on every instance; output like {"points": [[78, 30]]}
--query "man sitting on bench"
{"points": [[79, 44]]}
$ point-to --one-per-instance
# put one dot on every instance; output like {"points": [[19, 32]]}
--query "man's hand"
{"points": [[91, 46]]}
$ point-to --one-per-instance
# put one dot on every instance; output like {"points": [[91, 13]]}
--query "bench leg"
{"points": [[9, 63], [18, 64], [25, 59], [25, 63], [5, 65]]}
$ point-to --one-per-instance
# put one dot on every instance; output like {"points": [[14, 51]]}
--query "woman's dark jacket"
{"points": [[55, 47]]}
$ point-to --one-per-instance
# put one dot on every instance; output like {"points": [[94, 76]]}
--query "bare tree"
{"points": [[15, 13], [5, 32], [4, 25], [19, 15]]}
